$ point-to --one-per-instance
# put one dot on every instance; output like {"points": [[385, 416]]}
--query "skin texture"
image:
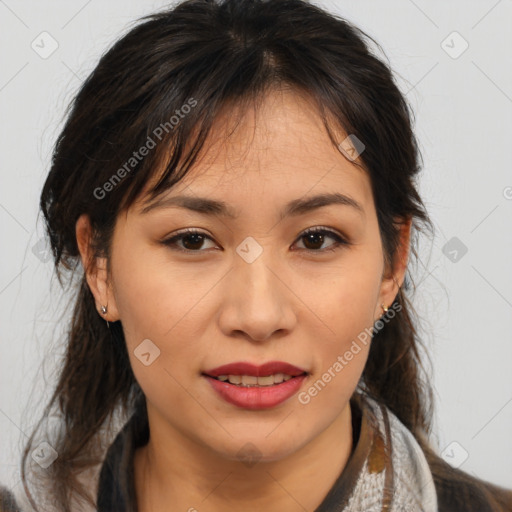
{"points": [[211, 307]]}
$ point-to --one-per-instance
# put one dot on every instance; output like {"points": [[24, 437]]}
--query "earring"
{"points": [[386, 308], [104, 312]]}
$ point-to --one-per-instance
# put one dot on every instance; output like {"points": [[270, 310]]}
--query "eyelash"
{"points": [[339, 240]]}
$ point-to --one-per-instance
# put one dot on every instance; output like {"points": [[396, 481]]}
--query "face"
{"points": [[266, 280]]}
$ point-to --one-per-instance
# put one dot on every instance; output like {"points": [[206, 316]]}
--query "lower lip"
{"points": [[263, 397]]}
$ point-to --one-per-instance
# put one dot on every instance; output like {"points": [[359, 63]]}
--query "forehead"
{"points": [[275, 149]]}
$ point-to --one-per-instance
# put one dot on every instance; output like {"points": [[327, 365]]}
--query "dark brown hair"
{"points": [[208, 54]]}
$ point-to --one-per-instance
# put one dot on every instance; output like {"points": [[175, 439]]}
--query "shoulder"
{"points": [[7, 501], [444, 487], [459, 491], [14, 499]]}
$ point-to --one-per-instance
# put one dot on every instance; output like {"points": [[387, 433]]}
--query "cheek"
{"points": [[346, 307], [153, 308], [344, 301], [148, 293], [340, 364]]}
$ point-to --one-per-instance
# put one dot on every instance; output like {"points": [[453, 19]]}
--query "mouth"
{"points": [[248, 374], [256, 387], [251, 381]]}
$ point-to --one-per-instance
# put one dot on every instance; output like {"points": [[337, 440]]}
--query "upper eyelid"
{"points": [[193, 231], [333, 233]]}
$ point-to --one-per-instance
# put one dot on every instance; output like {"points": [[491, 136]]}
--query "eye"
{"points": [[316, 236], [193, 240]]}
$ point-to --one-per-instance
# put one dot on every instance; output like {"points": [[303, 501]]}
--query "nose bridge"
{"points": [[256, 302], [254, 269]]}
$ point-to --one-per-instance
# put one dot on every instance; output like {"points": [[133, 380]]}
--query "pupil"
{"points": [[315, 238], [195, 244]]}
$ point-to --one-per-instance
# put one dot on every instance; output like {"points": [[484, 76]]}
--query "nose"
{"points": [[257, 303]]}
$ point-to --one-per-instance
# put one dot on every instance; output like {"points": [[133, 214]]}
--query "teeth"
{"points": [[264, 381], [251, 380], [278, 378]]}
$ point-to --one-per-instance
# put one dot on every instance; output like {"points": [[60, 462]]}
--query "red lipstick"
{"points": [[270, 368], [255, 395]]}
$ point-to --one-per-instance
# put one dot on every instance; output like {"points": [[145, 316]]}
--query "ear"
{"points": [[393, 278], [95, 269]]}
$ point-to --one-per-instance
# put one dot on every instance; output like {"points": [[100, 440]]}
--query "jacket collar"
{"points": [[116, 487]]}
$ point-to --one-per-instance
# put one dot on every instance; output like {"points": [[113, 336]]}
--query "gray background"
{"points": [[463, 105]]}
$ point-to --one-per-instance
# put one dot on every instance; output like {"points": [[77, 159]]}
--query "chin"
{"points": [[253, 449]]}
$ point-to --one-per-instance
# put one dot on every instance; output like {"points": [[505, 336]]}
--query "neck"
{"points": [[174, 472]]}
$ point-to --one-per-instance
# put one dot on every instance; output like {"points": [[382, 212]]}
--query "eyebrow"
{"points": [[216, 208]]}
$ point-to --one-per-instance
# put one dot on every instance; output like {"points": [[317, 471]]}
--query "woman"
{"points": [[237, 180]]}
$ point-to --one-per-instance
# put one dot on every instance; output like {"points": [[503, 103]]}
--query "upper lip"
{"points": [[270, 368]]}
